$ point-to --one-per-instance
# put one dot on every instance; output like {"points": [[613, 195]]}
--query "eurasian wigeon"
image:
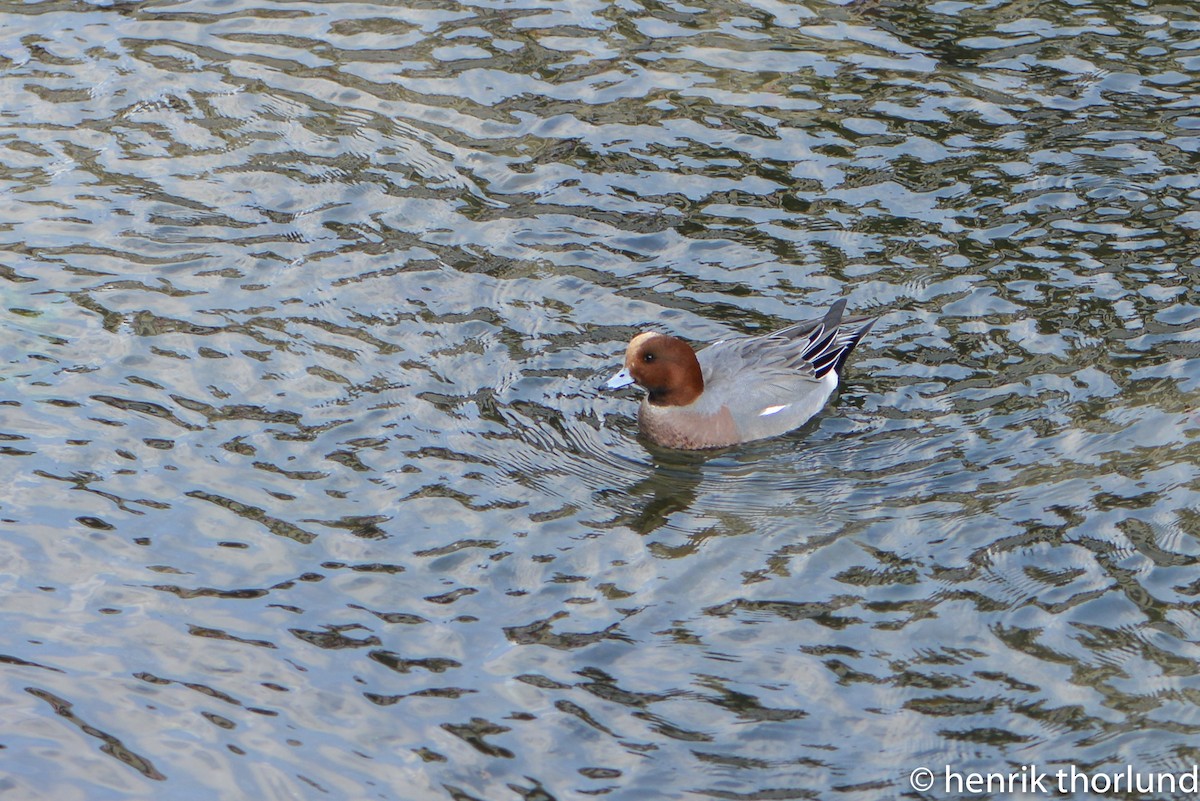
{"points": [[742, 389]]}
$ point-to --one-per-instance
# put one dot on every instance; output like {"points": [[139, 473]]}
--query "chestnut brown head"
{"points": [[667, 367]]}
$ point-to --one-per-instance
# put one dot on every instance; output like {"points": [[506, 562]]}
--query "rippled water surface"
{"points": [[309, 491]]}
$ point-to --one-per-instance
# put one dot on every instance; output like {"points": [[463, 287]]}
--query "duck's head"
{"points": [[665, 365]]}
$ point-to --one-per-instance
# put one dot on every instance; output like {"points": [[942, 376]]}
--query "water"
{"points": [[310, 491]]}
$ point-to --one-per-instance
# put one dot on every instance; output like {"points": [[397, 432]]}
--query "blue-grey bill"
{"points": [[621, 379]]}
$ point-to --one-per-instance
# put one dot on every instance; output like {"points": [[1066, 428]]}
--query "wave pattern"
{"points": [[310, 491]]}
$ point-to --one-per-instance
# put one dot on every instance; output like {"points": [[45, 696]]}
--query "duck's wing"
{"points": [[807, 350]]}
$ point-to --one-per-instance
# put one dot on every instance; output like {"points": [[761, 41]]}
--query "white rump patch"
{"points": [[770, 410]]}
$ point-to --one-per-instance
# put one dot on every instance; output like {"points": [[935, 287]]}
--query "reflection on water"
{"points": [[311, 492]]}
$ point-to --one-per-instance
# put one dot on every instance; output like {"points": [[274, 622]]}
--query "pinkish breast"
{"points": [[673, 427]]}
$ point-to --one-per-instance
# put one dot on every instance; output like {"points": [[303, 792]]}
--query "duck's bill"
{"points": [[621, 379]]}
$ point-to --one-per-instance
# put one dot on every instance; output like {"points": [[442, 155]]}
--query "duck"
{"points": [[740, 389]]}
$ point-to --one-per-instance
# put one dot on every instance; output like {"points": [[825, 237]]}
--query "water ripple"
{"points": [[312, 489]]}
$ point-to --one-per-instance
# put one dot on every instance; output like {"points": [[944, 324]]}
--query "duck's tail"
{"points": [[834, 339], [852, 338]]}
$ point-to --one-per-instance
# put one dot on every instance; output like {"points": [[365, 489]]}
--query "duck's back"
{"points": [[777, 382]]}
